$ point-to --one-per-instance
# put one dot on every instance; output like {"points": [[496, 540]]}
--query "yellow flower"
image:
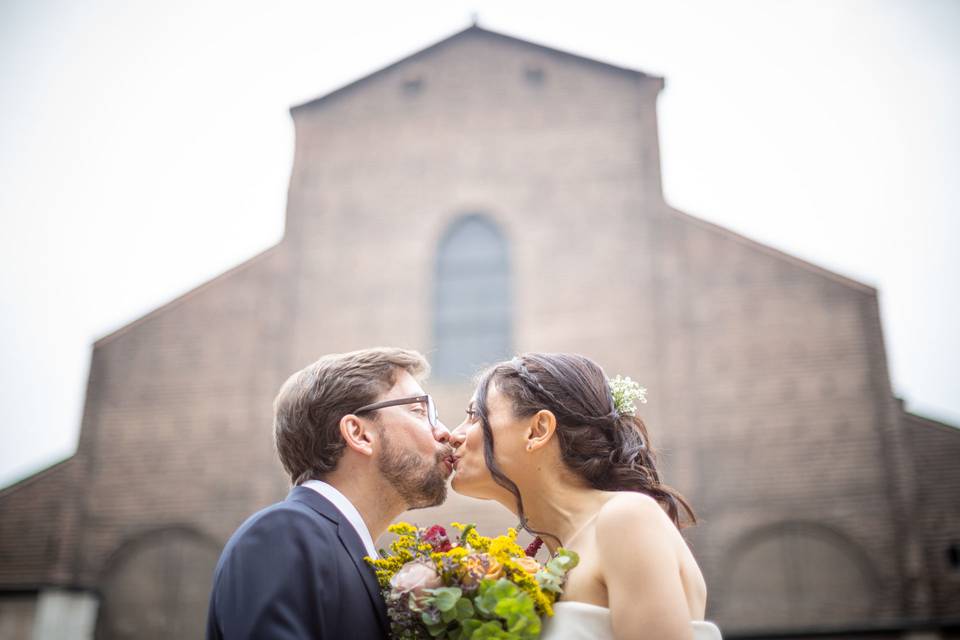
{"points": [[456, 554], [476, 541], [543, 600], [385, 568], [402, 529], [503, 547], [480, 558]]}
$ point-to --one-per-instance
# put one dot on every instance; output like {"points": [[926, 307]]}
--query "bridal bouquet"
{"points": [[474, 587]]}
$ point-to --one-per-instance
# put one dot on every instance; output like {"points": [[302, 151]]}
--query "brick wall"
{"points": [[176, 429], [35, 528], [769, 390], [936, 451]]}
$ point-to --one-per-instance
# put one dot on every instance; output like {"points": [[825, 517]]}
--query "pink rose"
{"points": [[414, 577]]}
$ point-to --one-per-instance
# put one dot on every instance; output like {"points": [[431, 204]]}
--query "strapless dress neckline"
{"points": [[582, 621]]}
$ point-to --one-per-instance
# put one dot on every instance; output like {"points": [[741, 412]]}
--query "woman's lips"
{"points": [[450, 463]]}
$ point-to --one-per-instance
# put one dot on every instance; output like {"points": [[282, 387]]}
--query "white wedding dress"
{"points": [[582, 621]]}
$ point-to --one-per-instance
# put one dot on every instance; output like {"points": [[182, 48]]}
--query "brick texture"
{"points": [[770, 395]]}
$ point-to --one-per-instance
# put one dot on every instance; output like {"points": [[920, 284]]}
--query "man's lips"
{"points": [[450, 463]]}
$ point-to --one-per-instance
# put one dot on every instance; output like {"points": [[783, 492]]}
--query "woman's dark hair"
{"points": [[607, 450]]}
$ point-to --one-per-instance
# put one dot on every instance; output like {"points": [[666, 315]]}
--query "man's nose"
{"points": [[441, 433], [457, 436]]}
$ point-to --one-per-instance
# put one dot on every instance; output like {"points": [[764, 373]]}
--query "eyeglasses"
{"points": [[432, 416]]}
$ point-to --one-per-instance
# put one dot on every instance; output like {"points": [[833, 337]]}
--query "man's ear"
{"points": [[541, 429], [358, 435]]}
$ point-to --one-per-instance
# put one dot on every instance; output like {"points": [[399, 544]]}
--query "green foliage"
{"points": [[551, 576], [499, 609], [445, 598], [468, 606]]}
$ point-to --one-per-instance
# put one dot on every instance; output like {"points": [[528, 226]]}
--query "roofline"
{"points": [[471, 29], [931, 422], [35, 476], [777, 253], [184, 296]]}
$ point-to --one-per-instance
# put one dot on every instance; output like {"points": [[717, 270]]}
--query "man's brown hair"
{"points": [[308, 409]]}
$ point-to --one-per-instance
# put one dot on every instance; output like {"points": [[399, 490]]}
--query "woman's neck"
{"points": [[561, 510]]}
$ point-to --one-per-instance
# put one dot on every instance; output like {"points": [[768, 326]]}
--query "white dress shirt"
{"points": [[344, 506]]}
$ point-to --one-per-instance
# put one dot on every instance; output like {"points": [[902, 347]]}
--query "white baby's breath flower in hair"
{"points": [[625, 393]]}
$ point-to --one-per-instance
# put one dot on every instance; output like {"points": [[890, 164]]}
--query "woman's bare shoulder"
{"points": [[656, 551], [633, 507], [636, 515]]}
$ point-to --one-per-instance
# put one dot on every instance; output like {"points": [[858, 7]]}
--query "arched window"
{"points": [[471, 316]]}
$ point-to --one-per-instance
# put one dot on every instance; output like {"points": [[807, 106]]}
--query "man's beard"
{"points": [[420, 482]]}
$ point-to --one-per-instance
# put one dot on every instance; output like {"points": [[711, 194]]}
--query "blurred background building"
{"points": [[482, 197]]}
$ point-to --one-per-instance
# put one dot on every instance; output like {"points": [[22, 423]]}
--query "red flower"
{"points": [[436, 537], [533, 547]]}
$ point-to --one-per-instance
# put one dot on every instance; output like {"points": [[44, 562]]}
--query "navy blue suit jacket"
{"points": [[296, 570]]}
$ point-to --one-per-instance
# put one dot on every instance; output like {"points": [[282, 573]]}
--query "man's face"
{"points": [[414, 457]]}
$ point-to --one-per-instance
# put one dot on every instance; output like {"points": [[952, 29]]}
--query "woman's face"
{"points": [[471, 475]]}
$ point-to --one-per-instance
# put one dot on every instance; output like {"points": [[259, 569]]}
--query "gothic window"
{"points": [[471, 320]]}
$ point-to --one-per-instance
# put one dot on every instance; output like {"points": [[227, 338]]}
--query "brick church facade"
{"points": [[484, 196]]}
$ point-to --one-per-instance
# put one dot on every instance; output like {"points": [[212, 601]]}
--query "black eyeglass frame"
{"points": [[432, 417]]}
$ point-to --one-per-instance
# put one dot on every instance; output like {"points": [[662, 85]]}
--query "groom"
{"points": [[362, 443]]}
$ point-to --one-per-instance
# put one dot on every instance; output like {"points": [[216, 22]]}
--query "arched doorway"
{"points": [[796, 574], [156, 587]]}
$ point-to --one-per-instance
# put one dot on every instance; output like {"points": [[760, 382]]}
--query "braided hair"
{"points": [[608, 450]]}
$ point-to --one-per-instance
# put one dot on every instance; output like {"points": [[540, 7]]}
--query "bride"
{"points": [[545, 438]]}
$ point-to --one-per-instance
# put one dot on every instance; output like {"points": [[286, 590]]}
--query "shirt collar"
{"points": [[344, 506]]}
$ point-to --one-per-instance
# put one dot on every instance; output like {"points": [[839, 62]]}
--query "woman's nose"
{"points": [[457, 436]]}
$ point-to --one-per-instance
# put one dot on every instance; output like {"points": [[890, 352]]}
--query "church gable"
{"points": [[473, 62]]}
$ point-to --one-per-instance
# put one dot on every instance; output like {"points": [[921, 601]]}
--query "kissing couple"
{"points": [[543, 435]]}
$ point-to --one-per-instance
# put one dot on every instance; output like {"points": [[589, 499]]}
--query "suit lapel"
{"points": [[351, 542], [354, 545]]}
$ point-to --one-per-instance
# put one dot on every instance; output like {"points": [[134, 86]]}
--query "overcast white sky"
{"points": [[146, 146]]}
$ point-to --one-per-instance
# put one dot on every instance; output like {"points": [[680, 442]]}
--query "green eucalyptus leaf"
{"points": [[469, 627], [430, 617], [464, 609], [490, 631], [445, 598]]}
